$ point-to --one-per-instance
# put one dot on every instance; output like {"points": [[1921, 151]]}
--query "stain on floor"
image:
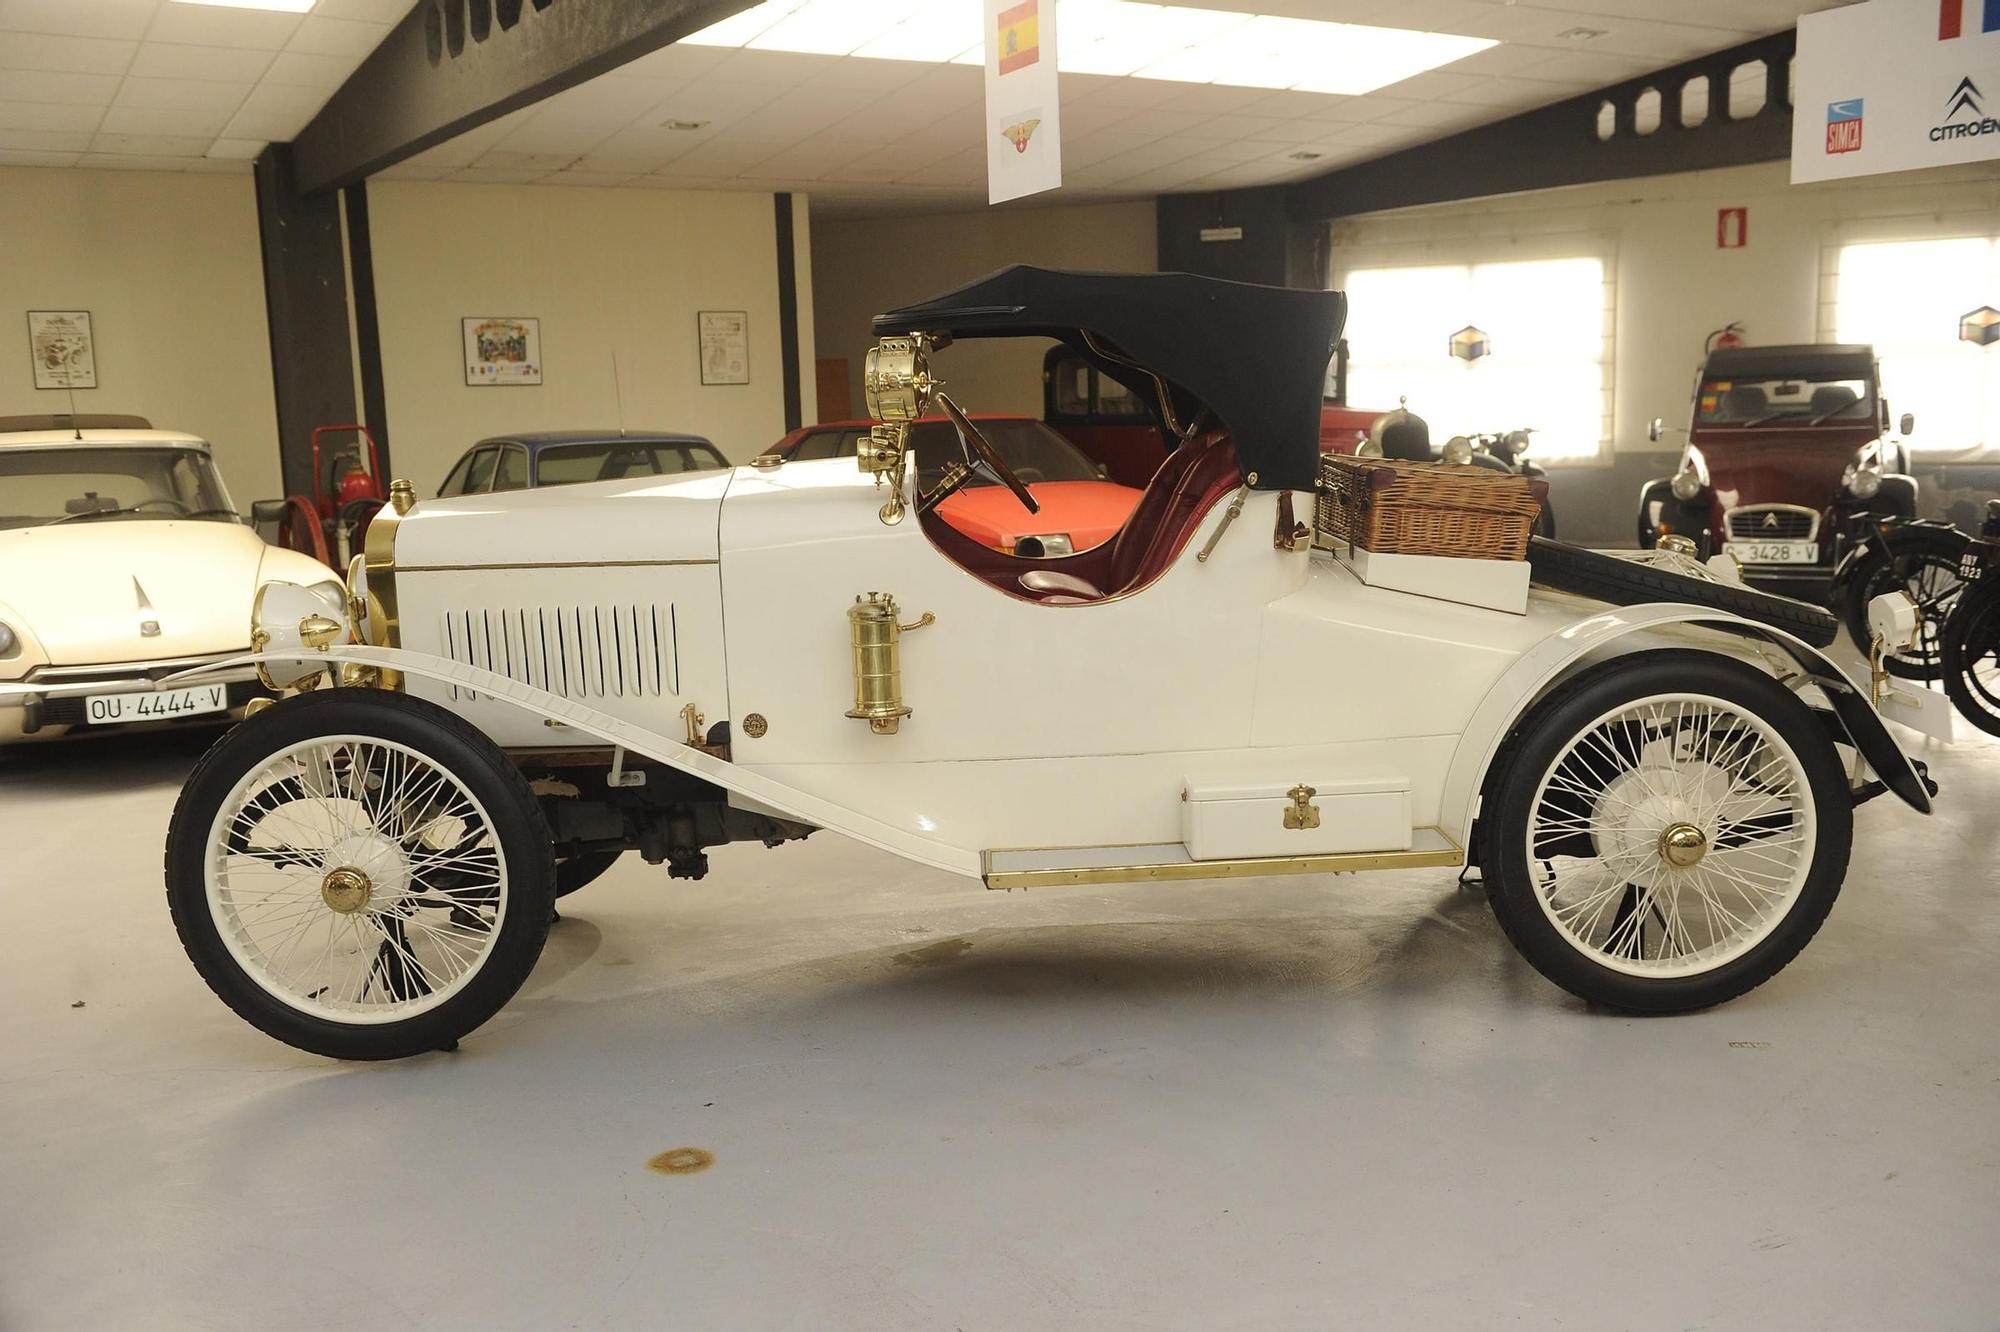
{"points": [[944, 950]]}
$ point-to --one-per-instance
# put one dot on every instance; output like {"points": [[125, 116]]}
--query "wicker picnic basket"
{"points": [[1394, 507]]}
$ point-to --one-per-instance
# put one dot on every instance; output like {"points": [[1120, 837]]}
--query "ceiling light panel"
{"points": [[280, 6], [1178, 43]]}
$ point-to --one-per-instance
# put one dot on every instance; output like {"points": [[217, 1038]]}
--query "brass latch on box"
{"points": [[1302, 813]]}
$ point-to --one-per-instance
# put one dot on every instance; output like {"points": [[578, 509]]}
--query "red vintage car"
{"points": [[1079, 507], [1117, 426], [1789, 461]]}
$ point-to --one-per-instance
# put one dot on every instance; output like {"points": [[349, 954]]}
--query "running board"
{"points": [[1169, 862]]}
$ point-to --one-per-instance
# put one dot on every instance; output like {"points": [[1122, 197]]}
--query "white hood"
{"points": [[652, 521], [75, 589]]}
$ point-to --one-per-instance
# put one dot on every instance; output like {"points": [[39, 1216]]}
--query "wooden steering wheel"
{"points": [[981, 459]]}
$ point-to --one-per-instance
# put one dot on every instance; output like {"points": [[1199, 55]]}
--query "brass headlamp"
{"points": [[897, 385]]}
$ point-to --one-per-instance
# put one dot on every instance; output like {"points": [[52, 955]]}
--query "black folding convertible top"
{"points": [[1254, 356]]}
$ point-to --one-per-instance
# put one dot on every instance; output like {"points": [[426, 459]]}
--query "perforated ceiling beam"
{"points": [[451, 65]]}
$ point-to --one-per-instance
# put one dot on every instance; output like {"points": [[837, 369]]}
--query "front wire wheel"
{"points": [[360, 874], [1970, 656], [1669, 832]]}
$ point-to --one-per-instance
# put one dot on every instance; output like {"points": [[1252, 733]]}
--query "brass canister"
{"points": [[878, 665]]}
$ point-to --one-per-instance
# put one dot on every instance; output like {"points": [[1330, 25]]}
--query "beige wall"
{"points": [[1673, 285], [606, 271], [864, 266], [168, 267]]}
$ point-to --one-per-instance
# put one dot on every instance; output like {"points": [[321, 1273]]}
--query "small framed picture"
{"points": [[725, 346], [60, 343], [502, 349]]}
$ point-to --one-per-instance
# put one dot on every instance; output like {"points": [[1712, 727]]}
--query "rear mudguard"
{"points": [[672, 753], [1540, 668]]}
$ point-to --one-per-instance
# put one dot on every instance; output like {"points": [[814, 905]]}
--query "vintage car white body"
{"points": [[98, 604], [680, 662]]}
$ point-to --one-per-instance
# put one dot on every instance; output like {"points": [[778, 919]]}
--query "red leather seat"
{"points": [[1186, 486]]}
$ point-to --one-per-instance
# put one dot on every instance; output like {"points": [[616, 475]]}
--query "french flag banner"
{"points": [[1896, 85]]}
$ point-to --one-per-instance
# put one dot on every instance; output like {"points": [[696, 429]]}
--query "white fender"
{"points": [[1524, 683], [791, 803]]}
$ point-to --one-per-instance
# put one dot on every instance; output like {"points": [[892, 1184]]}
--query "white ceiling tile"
{"points": [[65, 55], [34, 85], [495, 176], [622, 164], [41, 116], [412, 171], [302, 70], [242, 150], [158, 120], [332, 36], [272, 126], [208, 25], [227, 64], [564, 140], [150, 145], [31, 158], [78, 18], [520, 161], [677, 63], [618, 101], [181, 94], [371, 11], [131, 162], [600, 179], [278, 99], [219, 166], [47, 141]]}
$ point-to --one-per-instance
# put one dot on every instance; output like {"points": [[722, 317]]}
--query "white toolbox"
{"points": [[1500, 585], [1237, 820]]}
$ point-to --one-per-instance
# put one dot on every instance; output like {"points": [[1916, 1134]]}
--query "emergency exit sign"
{"points": [[1732, 228]]}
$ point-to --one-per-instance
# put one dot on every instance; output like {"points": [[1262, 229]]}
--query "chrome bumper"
{"points": [[45, 698]]}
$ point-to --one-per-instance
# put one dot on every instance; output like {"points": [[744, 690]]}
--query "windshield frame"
{"points": [[690, 448], [196, 450]]}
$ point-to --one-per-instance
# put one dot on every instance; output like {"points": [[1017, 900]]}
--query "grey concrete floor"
{"points": [[1261, 1104]]}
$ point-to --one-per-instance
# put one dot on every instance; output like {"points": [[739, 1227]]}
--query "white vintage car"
{"points": [[122, 562], [1658, 795]]}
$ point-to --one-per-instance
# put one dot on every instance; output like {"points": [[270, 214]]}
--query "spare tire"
{"points": [[1622, 582]]}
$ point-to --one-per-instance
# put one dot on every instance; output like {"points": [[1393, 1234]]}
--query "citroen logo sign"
{"points": [[1770, 520], [149, 623]]}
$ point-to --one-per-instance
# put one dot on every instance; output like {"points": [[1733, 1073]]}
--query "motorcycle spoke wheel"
{"points": [[354, 879], [1671, 836]]}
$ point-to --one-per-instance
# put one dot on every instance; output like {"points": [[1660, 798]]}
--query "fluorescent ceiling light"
{"points": [[1178, 43], [282, 6]]}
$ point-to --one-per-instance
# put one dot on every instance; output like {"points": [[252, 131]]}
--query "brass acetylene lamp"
{"points": [[878, 665], [897, 386]]}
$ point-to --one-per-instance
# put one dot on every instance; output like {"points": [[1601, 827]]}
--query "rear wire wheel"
{"points": [[1922, 561], [1668, 831], [1969, 655], [360, 874]]}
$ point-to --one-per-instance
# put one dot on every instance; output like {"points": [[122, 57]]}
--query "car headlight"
{"points": [[287, 618], [10, 642], [1458, 451], [1686, 485], [1861, 482]]}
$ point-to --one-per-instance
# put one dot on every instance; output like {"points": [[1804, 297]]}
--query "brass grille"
{"points": [[1772, 522], [620, 651]]}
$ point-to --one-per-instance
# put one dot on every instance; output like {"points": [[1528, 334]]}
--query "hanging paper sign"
{"points": [[1894, 85], [1023, 120]]}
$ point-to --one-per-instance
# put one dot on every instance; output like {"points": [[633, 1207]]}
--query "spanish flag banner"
{"points": [[1020, 36], [1023, 111]]}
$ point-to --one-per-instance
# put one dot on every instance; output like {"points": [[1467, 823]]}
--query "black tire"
{"points": [[1921, 560], [519, 834], [574, 872], [1540, 739], [1969, 645], [1624, 582]]}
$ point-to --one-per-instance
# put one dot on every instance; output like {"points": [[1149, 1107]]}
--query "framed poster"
{"points": [[725, 346], [64, 356], [502, 350]]}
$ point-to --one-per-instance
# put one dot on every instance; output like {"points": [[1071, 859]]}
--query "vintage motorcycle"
{"points": [[1658, 798], [1968, 641], [1405, 435]]}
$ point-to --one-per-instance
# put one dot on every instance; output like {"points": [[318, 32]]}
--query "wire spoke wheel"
{"points": [[1922, 562], [360, 874], [1671, 835], [1971, 655], [1665, 830], [355, 879]]}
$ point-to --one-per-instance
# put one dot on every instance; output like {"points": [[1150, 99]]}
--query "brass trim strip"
{"points": [[577, 564], [1449, 856]]}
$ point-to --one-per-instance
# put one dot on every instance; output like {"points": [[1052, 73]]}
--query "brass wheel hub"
{"points": [[1683, 845], [345, 890]]}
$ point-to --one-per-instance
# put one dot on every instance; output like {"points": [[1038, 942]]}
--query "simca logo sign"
{"points": [[1843, 126], [1020, 132]]}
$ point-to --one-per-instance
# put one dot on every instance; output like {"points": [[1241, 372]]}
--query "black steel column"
{"points": [[305, 300], [788, 311], [367, 329]]}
